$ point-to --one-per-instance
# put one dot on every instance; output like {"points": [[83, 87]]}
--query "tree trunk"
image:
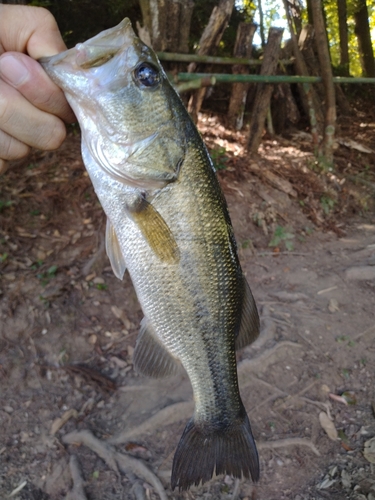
{"points": [[261, 23], [307, 92], [209, 41], [166, 24], [343, 32], [242, 48], [264, 91], [309, 11], [294, 8], [362, 31], [327, 78]]}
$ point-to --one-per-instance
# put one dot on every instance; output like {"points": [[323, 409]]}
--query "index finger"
{"points": [[33, 31]]}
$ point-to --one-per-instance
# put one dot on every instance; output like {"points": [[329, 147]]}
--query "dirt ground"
{"points": [[71, 407]]}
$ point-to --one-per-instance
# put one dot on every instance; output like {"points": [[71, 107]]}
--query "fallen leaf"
{"points": [[346, 447], [340, 399], [333, 306], [349, 397], [328, 426], [369, 450]]}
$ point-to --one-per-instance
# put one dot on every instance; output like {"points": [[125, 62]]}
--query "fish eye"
{"points": [[147, 75]]}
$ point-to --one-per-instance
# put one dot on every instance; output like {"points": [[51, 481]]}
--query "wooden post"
{"points": [[264, 91], [209, 41], [242, 48], [308, 95], [327, 78]]}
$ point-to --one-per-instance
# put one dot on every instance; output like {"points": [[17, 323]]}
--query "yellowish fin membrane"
{"points": [[156, 232]]}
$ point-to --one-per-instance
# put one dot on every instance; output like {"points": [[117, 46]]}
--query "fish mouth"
{"points": [[93, 53]]}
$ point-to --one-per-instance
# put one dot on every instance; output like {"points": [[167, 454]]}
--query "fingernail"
{"points": [[12, 70]]}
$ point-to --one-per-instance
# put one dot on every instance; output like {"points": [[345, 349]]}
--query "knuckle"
{"points": [[54, 136], [6, 110], [46, 18]]}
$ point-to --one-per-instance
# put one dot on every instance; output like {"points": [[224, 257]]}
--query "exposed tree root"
{"points": [[281, 443], [180, 411], [166, 416], [116, 461], [78, 492], [261, 362]]}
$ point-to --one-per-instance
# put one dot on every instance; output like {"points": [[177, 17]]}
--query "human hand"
{"points": [[32, 108]]}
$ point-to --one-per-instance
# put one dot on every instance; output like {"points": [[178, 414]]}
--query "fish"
{"points": [[168, 224]]}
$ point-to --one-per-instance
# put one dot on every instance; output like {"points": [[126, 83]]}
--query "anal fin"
{"points": [[249, 326], [114, 252], [150, 357]]}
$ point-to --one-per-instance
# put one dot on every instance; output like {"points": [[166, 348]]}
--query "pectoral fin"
{"points": [[150, 357], [114, 252], [156, 232], [249, 327]]}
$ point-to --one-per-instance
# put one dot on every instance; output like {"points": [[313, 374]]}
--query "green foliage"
{"points": [[246, 8], [281, 236], [3, 257], [101, 286], [327, 203], [5, 204], [331, 17], [48, 275], [219, 159]]}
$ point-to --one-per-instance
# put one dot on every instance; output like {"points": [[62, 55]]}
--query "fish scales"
{"points": [[168, 224]]}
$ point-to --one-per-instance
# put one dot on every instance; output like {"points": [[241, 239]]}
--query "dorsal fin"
{"points": [[249, 327]]}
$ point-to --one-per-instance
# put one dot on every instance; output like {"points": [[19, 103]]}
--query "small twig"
{"points": [[78, 492], [323, 406], [18, 489], [362, 334], [275, 254], [281, 443], [326, 290], [270, 386]]}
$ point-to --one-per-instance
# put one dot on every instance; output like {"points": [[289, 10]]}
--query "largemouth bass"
{"points": [[168, 224]]}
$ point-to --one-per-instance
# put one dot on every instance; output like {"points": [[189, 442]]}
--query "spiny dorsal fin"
{"points": [[150, 357], [249, 327], [114, 252]]}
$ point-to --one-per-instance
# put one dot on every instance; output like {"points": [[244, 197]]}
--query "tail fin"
{"points": [[202, 450]]}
